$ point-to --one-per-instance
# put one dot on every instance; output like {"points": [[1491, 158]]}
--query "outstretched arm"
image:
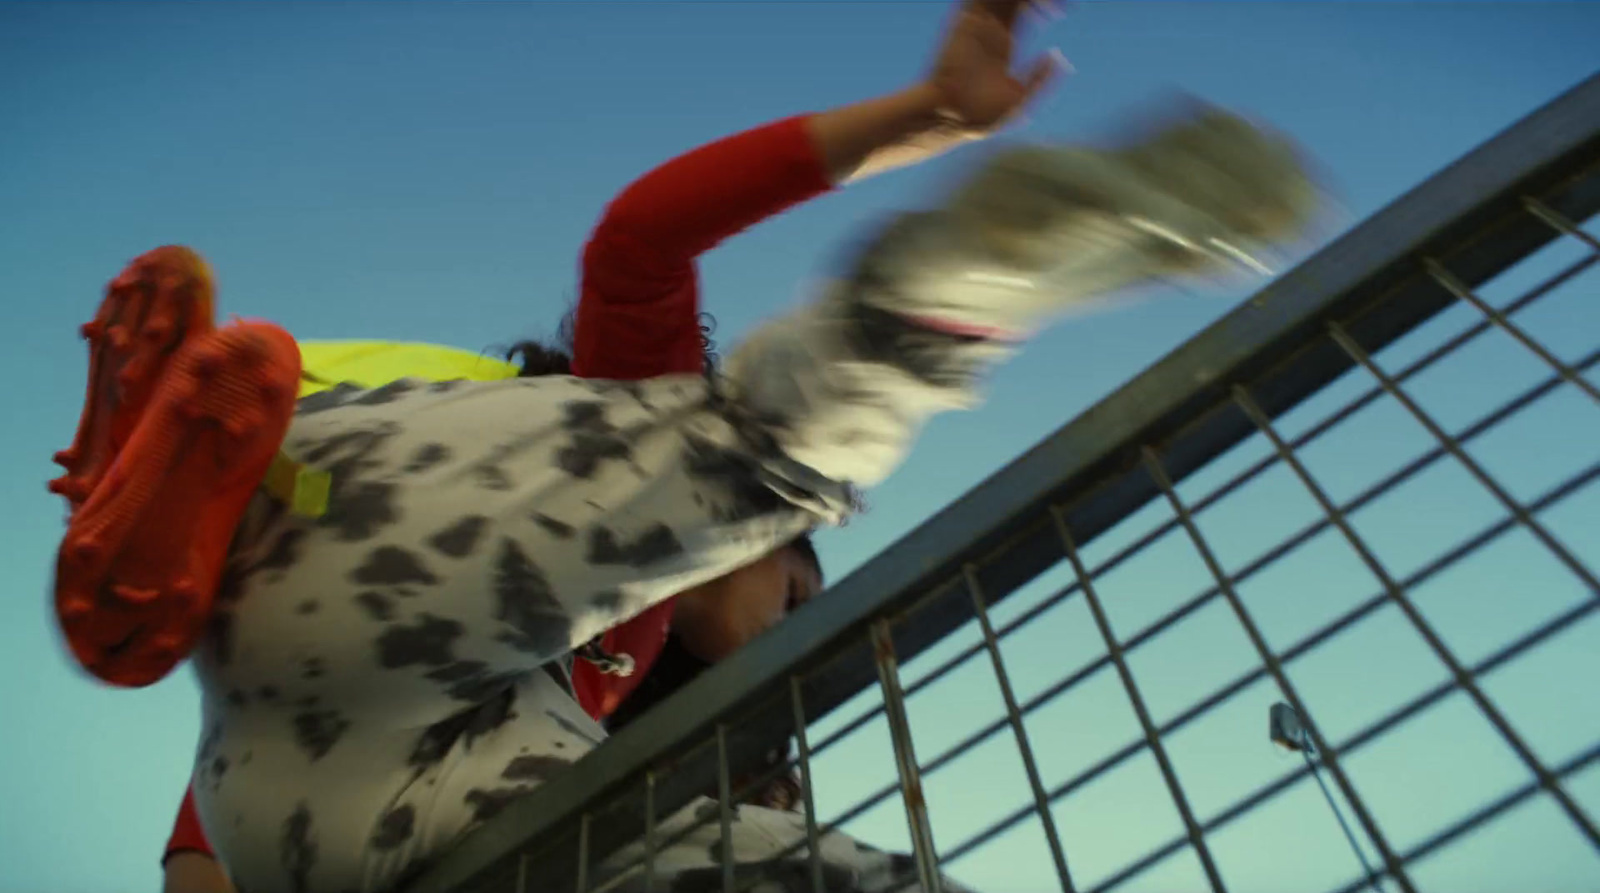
{"points": [[638, 314], [639, 311]]}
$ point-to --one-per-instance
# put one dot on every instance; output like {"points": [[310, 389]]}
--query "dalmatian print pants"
{"points": [[376, 680]]}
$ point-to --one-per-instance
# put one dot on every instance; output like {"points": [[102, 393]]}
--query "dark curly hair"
{"points": [[534, 358]]}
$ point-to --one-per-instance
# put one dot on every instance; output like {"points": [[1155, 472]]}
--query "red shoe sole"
{"points": [[155, 306], [138, 568]]}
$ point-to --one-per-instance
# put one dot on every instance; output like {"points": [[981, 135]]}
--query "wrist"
{"points": [[926, 99], [933, 112], [893, 130]]}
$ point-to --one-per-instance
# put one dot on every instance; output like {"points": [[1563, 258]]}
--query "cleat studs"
{"points": [[134, 595], [185, 590], [165, 647], [85, 551], [69, 488], [91, 330], [65, 458], [208, 362], [117, 337], [74, 611]]}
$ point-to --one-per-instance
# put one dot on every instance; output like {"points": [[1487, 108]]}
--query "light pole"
{"points": [[1288, 731]]}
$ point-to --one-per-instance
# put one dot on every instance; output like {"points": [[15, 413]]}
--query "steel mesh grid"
{"points": [[1186, 522], [1084, 586], [1392, 590]]}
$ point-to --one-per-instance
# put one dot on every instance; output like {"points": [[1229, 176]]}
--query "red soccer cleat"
{"points": [[153, 308], [166, 462]]}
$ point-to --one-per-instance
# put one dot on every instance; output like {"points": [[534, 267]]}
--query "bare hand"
{"points": [[973, 71]]}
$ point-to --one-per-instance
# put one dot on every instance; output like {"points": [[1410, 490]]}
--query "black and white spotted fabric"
{"points": [[373, 678], [376, 682]]}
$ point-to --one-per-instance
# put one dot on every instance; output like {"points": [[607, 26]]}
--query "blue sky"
{"points": [[428, 171]]}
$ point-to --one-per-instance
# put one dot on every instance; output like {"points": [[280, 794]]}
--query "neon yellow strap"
{"points": [[304, 490], [369, 364]]}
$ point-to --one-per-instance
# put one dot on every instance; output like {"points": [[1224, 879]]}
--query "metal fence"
{"points": [[1359, 497]]}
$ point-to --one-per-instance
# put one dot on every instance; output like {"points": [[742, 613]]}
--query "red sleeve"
{"points": [[187, 835], [639, 305]]}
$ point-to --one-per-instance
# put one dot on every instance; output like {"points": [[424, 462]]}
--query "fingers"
{"points": [[1062, 63], [1043, 72], [1049, 10], [1005, 11]]}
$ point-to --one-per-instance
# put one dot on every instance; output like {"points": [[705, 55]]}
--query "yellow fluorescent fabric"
{"points": [[369, 364], [372, 364]]}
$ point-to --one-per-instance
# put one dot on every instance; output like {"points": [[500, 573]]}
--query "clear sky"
{"points": [[427, 171]]}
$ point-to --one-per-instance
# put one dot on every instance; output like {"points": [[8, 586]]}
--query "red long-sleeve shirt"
{"points": [[638, 317]]}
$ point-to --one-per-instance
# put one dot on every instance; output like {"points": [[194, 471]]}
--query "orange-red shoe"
{"points": [[138, 568], [161, 301]]}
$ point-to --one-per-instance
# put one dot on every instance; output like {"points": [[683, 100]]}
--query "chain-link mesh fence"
{"points": [[1353, 518]]}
